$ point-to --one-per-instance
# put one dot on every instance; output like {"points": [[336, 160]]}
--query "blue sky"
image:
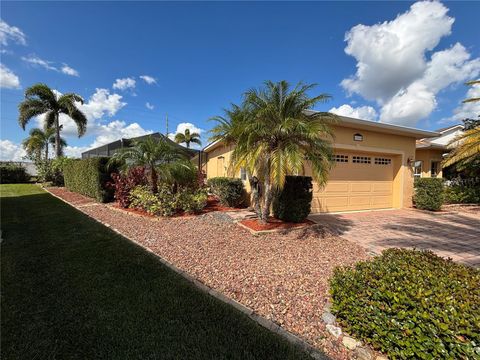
{"points": [[406, 64]]}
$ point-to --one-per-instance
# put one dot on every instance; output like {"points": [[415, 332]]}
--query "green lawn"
{"points": [[73, 289]]}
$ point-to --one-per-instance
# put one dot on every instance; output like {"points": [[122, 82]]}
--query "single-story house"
{"points": [[431, 151], [374, 166], [109, 149]]}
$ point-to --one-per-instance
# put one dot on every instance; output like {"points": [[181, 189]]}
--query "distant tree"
{"points": [[40, 99], [39, 141], [187, 137]]}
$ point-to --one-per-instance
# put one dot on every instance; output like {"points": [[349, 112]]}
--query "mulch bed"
{"points": [[273, 224], [283, 277]]}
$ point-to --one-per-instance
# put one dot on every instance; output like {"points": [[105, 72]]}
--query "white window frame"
{"points": [[418, 165]]}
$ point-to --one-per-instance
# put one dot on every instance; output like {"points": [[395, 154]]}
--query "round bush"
{"points": [[428, 194], [230, 191], [411, 304], [294, 202]]}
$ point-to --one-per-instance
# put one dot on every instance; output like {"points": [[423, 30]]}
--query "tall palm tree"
{"points": [[155, 154], [275, 134], [40, 99], [187, 137], [39, 140]]}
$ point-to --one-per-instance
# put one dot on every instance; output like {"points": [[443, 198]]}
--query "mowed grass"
{"points": [[73, 289]]}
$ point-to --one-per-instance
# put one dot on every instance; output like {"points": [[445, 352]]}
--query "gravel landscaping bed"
{"points": [[470, 209], [281, 276]]}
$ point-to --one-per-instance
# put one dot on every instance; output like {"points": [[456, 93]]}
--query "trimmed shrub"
{"points": [[410, 304], [428, 193], [230, 191], [458, 194], [192, 202], [123, 184], [90, 177], [293, 203], [13, 174]]}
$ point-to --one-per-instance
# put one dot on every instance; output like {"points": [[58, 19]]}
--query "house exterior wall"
{"points": [[427, 156], [399, 148]]}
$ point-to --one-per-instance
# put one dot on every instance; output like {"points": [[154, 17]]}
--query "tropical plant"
{"points": [[275, 133], [155, 154], [40, 99], [466, 148], [474, 99], [39, 141], [187, 137]]}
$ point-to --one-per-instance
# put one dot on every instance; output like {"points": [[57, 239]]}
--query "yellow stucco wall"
{"points": [[426, 156], [399, 148]]}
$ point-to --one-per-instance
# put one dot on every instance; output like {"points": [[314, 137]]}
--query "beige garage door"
{"points": [[358, 181]]}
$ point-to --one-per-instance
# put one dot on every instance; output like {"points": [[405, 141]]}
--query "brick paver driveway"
{"points": [[452, 235]]}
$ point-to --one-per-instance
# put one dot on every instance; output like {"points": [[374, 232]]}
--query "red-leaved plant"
{"points": [[124, 183]]}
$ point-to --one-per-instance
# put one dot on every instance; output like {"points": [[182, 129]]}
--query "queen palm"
{"points": [[187, 137], [155, 154], [466, 148], [39, 140], [40, 99], [275, 133]]}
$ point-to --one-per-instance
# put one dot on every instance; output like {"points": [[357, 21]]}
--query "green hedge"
{"points": [[13, 174], [230, 191], [410, 305], [460, 194], [428, 193], [294, 202], [90, 177]]}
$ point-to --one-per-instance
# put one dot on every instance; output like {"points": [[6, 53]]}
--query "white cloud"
{"points": [[392, 64], [149, 106], [75, 151], [11, 151], [12, 33], [125, 83], [361, 112], [470, 110], [69, 71], [116, 130], [8, 79], [148, 79], [36, 61], [181, 129], [48, 65]]}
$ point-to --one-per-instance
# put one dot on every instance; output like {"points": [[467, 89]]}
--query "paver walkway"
{"points": [[453, 235]]}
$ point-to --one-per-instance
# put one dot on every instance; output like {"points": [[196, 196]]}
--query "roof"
{"points": [[104, 150], [369, 125], [446, 135], [445, 129]]}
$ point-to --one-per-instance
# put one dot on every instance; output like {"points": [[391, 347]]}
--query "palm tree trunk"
{"points": [[57, 137], [254, 184], [154, 179], [267, 197], [46, 151]]}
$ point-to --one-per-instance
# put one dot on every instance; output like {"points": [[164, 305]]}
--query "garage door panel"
{"points": [[356, 186]]}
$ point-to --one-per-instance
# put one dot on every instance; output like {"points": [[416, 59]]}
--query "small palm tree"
{"points": [[39, 140], [187, 137], [154, 154], [466, 148], [275, 134], [40, 99]]}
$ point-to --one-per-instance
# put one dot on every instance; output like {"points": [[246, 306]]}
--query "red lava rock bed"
{"points": [[273, 224], [283, 277]]}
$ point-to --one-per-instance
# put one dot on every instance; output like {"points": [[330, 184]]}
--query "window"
{"points": [[383, 161], [434, 169], [340, 158], [243, 174], [417, 168], [362, 159]]}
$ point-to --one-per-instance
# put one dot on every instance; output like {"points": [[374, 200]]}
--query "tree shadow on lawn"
{"points": [[74, 289], [461, 234]]}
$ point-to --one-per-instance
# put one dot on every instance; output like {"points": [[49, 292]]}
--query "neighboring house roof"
{"points": [[446, 135], [368, 125], [110, 148]]}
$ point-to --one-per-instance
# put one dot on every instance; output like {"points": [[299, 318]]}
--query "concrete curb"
{"points": [[260, 320]]}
